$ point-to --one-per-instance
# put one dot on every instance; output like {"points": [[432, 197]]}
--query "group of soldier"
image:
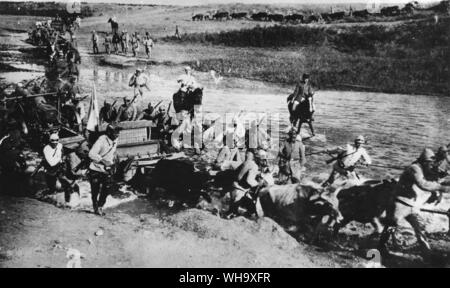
{"points": [[121, 42]]}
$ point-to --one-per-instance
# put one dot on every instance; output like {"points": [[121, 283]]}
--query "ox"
{"points": [[365, 203], [296, 206], [179, 180]]}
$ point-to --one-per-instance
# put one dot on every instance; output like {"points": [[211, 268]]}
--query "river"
{"points": [[396, 126]]}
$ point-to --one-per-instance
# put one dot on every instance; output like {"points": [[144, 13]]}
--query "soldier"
{"points": [[94, 42], [127, 111], [53, 164], [286, 154], [148, 114], [347, 159], [102, 155], [125, 40], [139, 80], [107, 44], [412, 191], [177, 33], [135, 44], [148, 44], [115, 42]]}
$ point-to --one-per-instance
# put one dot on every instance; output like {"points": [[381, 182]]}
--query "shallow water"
{"points": [[397, 127]]}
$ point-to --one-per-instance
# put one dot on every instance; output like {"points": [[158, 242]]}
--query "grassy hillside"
{"points": [[413, 57]]}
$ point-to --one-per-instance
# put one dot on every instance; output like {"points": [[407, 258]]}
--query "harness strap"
{"points": [[403, 202]]}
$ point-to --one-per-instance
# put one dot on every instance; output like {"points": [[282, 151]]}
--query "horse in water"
{"points": [[302, 113], [187, 100]]}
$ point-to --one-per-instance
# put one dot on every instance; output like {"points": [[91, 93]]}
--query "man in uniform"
{"points": [[148, 114], [177, 33], [139, 80], [134, 44], [102, 155], [107, 44], [148, 44], [53, 164], [287, 153], [94, 42], [125, 39], [127, 111], [116, 41], [347, 159], [412, 191]]}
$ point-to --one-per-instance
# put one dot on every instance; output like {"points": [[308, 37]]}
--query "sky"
{"points": [[200, 2]]}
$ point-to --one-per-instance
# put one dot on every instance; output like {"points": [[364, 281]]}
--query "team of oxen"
{"points": [[297, 206], [303, 17]]}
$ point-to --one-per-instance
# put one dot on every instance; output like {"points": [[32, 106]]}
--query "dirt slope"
{"points": [[36, 234]]}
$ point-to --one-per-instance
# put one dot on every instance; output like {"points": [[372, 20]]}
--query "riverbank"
{"points": [[408, 57], [39, 235]]}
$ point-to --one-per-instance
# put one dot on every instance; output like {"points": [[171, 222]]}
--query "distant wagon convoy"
{"points": [[238, 15], [221, 16], [276, 17], [390, 11], [198, 17], [294, 18], [314, 17], [361, 13], [260, 16]]}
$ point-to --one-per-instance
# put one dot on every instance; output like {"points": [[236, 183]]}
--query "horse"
{"points": [[302, 114], [187, 100]]}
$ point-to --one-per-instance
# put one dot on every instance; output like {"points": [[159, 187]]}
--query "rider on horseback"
{"points": [[301, 105]]}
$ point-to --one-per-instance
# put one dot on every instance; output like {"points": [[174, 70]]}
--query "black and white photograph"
{"points": [[225, 134]]}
